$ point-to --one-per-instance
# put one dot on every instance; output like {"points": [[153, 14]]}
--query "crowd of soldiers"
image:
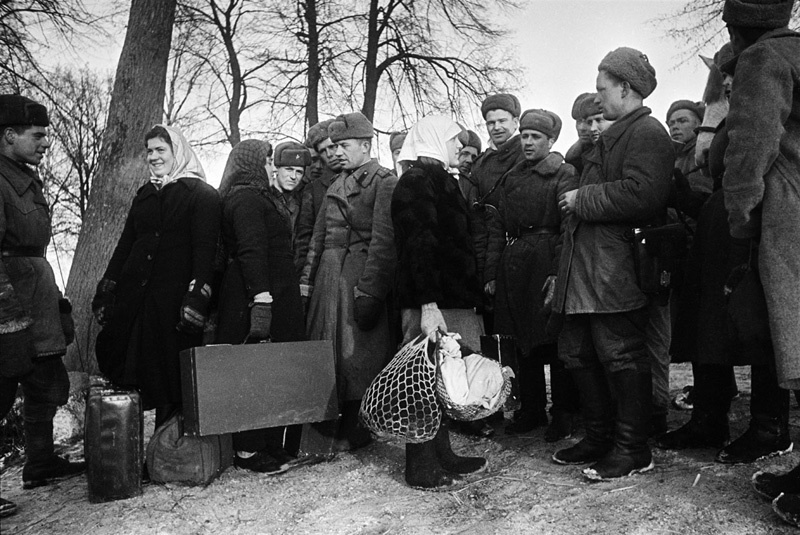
{"points": [[320, 241]]}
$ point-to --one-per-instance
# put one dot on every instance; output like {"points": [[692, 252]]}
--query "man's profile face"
{"points": [[29, 146], [609, 96], [682, 124]]}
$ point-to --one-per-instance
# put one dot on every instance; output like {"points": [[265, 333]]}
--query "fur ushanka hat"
{"points": [[632, 66], [769, 14]]}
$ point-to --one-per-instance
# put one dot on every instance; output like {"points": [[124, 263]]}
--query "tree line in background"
{"points": [[224, 70]]}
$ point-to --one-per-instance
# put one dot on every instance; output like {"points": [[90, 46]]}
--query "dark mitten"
{"points": [[367, 311], [194, 312], [104, 300], [67, 324], [16, 353], [260, 321]]}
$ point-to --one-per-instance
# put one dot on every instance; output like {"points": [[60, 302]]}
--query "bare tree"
{"points": [[18, 46], [136, 104], [78, 104], [698, 26]]}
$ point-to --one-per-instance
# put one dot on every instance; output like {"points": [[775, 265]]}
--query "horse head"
{"points": [[715, 98]]}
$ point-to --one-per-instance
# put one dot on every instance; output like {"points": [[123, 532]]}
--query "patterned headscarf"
{"points": [[245, 166], [186, 162], [428, 138]]}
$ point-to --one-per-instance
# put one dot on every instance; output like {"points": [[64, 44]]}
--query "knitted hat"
{"points": [[546, 122], [468, 138], [589, 106], [291, 154], [317, 134], [396, 140], [769, 14], [350, 126], [631, 66], [576, 106], [16, 110], [724, 55], [695, 107], [501, 101]]}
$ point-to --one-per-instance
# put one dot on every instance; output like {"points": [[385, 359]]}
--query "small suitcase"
{"points": [[231, 388], [113, 443]]}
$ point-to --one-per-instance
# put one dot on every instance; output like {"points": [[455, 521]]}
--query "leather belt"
{"points": [[23, 251], [536, 230]]}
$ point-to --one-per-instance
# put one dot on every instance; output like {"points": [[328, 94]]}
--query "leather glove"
{"points": [[67, 323], [103, 302], [431, 319], [490, 288], [548, 292], [260, 321], [16, 353], [367, 311], [194, 312], [735, 277]]}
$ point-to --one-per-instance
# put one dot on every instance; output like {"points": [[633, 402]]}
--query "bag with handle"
{"points": [[173, 457]]}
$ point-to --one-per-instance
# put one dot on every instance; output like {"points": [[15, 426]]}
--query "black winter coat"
{"points": [[169, 239], [257, 230], [435, 251]]}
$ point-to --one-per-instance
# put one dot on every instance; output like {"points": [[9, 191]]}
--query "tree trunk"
{"points": [[371, 74], [136, 105], [314, 74]]}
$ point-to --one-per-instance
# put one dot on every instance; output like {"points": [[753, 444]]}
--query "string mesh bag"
{"points": [[466, 412], [401, 401]]}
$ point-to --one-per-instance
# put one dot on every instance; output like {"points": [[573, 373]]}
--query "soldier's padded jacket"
{"points": [[28, 291], [762, 181], [625, 184]]}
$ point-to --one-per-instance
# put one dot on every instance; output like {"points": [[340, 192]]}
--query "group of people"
{"points": [[320, 241]]}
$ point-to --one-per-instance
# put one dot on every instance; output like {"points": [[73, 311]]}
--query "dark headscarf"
{"points": [[245, 166]]}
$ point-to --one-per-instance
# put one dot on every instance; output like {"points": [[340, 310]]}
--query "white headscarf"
{"points": [[428, 138], [186, 162]]}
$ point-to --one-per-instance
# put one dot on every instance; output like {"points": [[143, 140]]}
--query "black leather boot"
{"points": [[768, 434], [770, 485], [449, 460], [566, 404], [42, 465], [708, 426], [533, 397], [423, 470], [598, 418], [634, 401], [351, 434]]}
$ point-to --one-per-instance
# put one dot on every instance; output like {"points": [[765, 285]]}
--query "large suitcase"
{"points": [[113, 443], [230, 388]]}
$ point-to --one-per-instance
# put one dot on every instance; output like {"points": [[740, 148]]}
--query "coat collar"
{"points": [[20, 176], [549, 165], [615, 131], [730, 66], [188, 183]]}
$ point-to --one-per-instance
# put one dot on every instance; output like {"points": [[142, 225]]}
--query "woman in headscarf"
{"points": [[153, 298], [260, 278], [437, 278], [521, 267]]}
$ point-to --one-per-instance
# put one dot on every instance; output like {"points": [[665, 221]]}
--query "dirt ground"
{"points": [[364, 493]]}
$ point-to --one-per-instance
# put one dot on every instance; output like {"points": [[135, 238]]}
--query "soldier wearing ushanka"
{"points": [[35, 322]]}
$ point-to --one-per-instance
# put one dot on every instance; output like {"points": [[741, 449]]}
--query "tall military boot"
{"points": [[598, 418], [423, 470], [768, 434], [533, 397], [449, 460], [708, 426], [42, 465], [633, 394], [566, 403]]}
